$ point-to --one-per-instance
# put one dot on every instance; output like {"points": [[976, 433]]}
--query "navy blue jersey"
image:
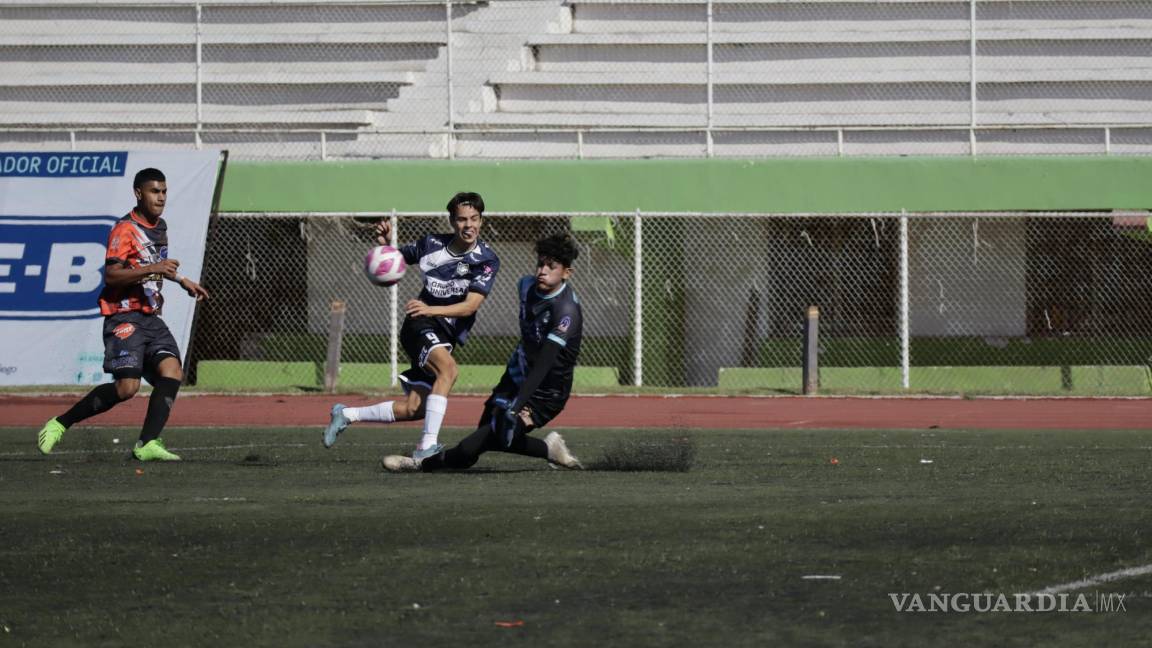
{"points": [[448, 277], [556, 317]]}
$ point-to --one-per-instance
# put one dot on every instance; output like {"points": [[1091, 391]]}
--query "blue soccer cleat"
{"points": [[421, 455], [336, 425]]}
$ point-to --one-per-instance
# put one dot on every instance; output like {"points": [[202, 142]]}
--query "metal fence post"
{"points": [[451, 138], [199, 74], [708, 77], [972, 77], [905, 362], [394, 308], [638, 302]]}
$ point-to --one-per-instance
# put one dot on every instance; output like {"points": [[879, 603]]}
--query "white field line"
{"points": [[484, 394], [1099, 579], [127, 447]]}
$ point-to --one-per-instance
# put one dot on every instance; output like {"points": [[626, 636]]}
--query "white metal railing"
{"points": [[451, 135]]}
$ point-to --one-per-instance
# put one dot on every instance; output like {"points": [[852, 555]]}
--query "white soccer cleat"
{"points": [[400, 463], [558, 452]]}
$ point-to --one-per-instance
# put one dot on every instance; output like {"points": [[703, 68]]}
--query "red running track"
{"points": [[642, 412]]}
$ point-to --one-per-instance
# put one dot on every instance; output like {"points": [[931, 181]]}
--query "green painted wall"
{"points": [[776, 185]]}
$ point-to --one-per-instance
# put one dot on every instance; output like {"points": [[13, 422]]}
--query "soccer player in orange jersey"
{"points": [[137, 343]]}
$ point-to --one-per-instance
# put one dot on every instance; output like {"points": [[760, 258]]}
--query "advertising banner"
{"points": [[56, 210]]}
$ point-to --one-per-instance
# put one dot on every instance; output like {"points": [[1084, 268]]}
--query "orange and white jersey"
{"points": [[134, 243]]}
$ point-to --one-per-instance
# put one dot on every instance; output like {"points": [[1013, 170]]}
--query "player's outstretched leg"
{"points": [[410, 408], [101, 399], [337, 422], [464, 455], [559, 454]]}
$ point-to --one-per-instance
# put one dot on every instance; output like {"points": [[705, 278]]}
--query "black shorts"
{"points": [[419, 335], [416, 377], [134, 343], [543, 405]]}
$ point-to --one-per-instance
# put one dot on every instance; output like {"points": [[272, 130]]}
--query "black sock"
{"points": [[464, 455], [529, 446], [101, 399], [159, 406]]}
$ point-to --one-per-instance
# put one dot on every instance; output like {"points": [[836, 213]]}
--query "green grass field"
{"points": [[261, 537]]}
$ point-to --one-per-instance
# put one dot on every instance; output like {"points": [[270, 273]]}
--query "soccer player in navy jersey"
{"points": [[137, 342], [459, 270], [538, 379]]}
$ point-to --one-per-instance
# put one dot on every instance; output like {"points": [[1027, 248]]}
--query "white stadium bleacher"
{"points": [[589, 78], [266, 69]]}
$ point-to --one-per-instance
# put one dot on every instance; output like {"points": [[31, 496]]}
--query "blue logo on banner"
{"points": [[62, 165], [52, 267]]}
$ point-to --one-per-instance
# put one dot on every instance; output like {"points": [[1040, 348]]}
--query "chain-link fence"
{"points": [[956, 303], [579, 78]]}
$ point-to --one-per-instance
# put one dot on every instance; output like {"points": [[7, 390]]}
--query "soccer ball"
{"points": [[384, 265]]}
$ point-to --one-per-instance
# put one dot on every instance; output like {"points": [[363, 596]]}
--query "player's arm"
{"points": [[411, 251], [545, 359], [194, 290], [122, 261], [557, 340], [118, 274], [470, 305]]}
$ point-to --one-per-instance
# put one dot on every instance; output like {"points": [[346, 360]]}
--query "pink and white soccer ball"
{"points": [[384, 265]]}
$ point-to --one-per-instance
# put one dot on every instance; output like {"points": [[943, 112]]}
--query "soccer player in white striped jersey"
{"points": [[459, 270]]}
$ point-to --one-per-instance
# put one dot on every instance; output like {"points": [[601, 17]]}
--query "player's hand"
{"points": [[417, 308], [194, 290], [166, 268], [526, 417], [508, 431], [384, 232]]}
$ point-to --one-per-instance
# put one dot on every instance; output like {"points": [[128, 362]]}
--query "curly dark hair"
{"points": [[558, 247]]}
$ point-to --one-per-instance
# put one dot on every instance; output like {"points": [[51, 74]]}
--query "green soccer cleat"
{"points": [[50, 435], [154, 450]]}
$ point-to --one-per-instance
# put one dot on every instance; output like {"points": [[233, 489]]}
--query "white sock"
{"points": [[434, 409], [381, 412]]}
